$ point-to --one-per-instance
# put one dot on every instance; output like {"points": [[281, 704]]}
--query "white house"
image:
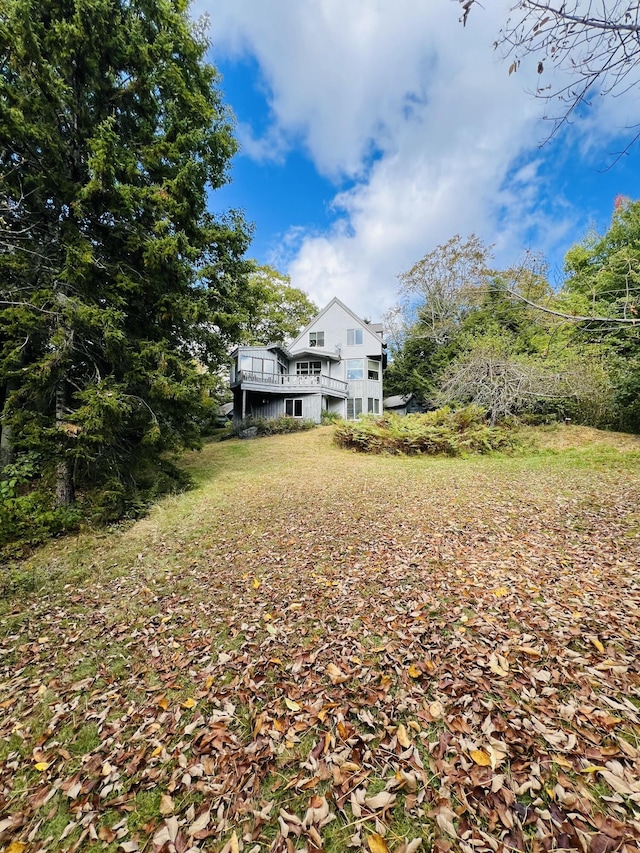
{"points": [[335, 364]]}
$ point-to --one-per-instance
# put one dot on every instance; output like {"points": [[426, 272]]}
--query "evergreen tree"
{"points": [[116, 284]]}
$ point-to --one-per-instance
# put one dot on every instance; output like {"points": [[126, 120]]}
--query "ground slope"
{"points": [[315, 649]]}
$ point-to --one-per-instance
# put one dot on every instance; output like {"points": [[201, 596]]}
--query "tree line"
{"points": [[505, 339]]}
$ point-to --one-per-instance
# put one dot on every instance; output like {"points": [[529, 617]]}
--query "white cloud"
{"points": [[454, 135]]}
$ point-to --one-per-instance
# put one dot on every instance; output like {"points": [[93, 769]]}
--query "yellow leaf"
{"points": [[336, 675], [498, 665], [291, 705], [529, 650], [163, 702], [500, 592], [235, 847], [376, 843], [41, 766], [596, 642], [403, 736], [208, 684], [413, 671], [480, 757], [156, 751], [256, 583], [189, 703], [592, 768], [16, 847]]}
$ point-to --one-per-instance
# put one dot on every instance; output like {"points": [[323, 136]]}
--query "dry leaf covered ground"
{"points": [[317, 650]]}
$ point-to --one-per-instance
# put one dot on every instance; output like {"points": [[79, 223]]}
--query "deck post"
{"points": [[244, 404]]}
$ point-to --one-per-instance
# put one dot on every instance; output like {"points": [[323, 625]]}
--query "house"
{"points": [[403, 404], [334, 365]]}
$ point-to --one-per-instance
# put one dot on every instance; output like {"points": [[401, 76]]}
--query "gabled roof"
{"points": [[336, 301], [397, 401]]}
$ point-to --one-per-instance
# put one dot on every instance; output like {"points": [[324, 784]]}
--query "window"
{"points": [[316, 339], [308, 368], [354, 337], [374, 406], [355, 368], [354, 408], [373, 370], [257, 365], [293, 408]]}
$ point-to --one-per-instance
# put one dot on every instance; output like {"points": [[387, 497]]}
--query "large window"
{"points": [[374, 406], [257, 365], [293, 408], [355, 368], [316, 339], [373, 370], [308, 368], [354, 408], [354, 337]]}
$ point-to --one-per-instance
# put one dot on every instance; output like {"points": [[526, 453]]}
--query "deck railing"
{"points": [[287, 380]]}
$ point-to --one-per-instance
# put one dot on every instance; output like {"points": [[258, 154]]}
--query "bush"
{"points": [[27, 514], [442, 432], [330, 417], [275, 426]]}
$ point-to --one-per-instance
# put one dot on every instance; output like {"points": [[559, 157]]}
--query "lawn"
{"points": [[320, 650]]}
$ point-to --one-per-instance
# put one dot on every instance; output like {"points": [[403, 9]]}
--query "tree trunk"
{"points": [[65, 489], [7, 451]]}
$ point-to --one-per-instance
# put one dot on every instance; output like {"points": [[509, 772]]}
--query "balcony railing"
{"points": [[292, 381]]}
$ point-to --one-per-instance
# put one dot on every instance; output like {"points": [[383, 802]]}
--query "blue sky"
{"points": [[372, 131]]}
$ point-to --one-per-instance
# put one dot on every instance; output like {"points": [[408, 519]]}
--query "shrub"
{"points": [[442, 432], [275, 426], [27, 514]]}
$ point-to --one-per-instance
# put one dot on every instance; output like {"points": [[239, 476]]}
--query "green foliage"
{"points": [[118, 289], [603, 281], [328, 417], [28, 515], [499, 350], [274, 311], [442, 432], [275, 426]]}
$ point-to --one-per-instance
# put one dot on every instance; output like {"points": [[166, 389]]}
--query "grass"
{"points": [[188, 655]]}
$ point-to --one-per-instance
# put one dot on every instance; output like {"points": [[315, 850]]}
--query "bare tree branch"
{"points": [[596, 45]]}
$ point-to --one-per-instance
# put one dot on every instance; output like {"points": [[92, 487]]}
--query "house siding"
{"points": [[257, 396]]}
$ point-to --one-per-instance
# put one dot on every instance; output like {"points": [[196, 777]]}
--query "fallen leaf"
{"points": [[403, 736], [336, 675], [166, 805], [291, 705], [380, 801], [480, 757], [376, 843]]}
